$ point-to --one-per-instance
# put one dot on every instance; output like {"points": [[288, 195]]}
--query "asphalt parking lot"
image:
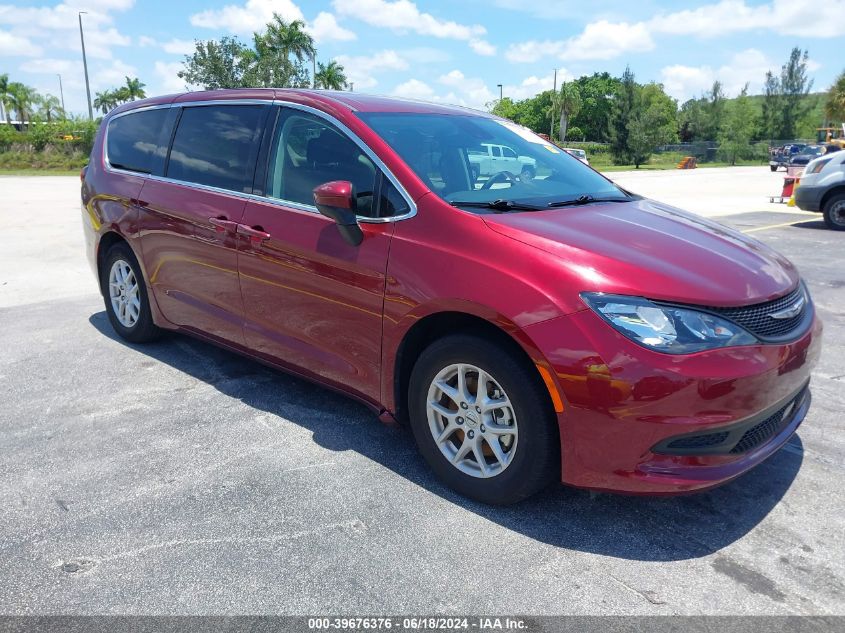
{"points": [[177, 478]]}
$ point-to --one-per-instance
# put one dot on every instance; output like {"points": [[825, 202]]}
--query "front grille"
{"points": [[699, 441], [736, 439], [764, 430], [756, 318]]}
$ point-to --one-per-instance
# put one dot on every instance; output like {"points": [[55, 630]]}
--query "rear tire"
{"points": [[834, 212], [518, 443], [125, 296], [773, 167]]}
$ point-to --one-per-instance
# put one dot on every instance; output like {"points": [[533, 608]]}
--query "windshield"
{"points": [[474, 159]]}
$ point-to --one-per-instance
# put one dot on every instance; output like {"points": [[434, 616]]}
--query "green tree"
{"points": [[570, 105], [737, 127], [218, 64], [135, 89], [715, 109], [105, 101], [692, 120], [772, 107], [597, 94], [624, 106], [4, 97], [834, 107], [330, 76], [795, 86], [21, 99], [49, 108], [653, 122]]}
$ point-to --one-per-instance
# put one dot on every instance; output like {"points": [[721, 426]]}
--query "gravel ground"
{"points": [[176, 478]]}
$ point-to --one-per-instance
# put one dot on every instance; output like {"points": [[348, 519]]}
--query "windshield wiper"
{"points": [[500, 205], [585, 199]]}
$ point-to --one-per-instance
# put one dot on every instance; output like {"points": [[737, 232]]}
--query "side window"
{"points": [[216, 146], [497, 152], [391, 201], [133, 140], [508, 152], [308, 151]]}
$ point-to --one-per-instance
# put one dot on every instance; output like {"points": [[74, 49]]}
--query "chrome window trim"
{"points": [[412, 207], [299, 206]]}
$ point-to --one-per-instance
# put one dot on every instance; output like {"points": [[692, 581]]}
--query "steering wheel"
{"points": [[501, 176]]}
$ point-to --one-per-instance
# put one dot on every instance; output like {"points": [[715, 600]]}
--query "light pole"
{"points": [[554, 90], [61, 93], [351, 86], [499, 86], [85, 66], [314, 70]]}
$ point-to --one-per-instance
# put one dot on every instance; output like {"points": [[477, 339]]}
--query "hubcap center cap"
{"points": [[472, 419]]}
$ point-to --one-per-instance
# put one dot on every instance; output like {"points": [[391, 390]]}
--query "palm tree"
{"points": [[290, 39], [105, 101], [570, 106], [135, 89], [330, 76], [4, 98], [49, 107], [835, 106], [21, 99], [553, 111]]}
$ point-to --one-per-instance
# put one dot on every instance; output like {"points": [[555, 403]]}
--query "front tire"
{"points": [[125, 296], [834, 212], [496, 444]]}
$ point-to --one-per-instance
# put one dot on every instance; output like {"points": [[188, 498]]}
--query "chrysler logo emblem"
{"points": [[790, 311]]}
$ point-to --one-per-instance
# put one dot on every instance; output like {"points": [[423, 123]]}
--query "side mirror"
{"points": [[336, 201]]}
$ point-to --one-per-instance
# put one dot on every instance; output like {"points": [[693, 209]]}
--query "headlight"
{"points": [[819, 165], [667, 329]]}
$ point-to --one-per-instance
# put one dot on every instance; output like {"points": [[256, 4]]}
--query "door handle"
{"points": [[256, 236], [222, 225]]}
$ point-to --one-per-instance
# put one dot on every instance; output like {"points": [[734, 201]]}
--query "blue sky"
{"points": [[455, 51]]}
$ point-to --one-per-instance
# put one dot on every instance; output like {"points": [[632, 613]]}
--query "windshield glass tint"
{"points": [[466, 158]]}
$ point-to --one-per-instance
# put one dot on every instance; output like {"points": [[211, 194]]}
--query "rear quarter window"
{"points": [[133, 141], [217, 146]]}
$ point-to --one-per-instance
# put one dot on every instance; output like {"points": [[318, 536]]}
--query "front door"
{"points": [[312, 300], [189, 218]]}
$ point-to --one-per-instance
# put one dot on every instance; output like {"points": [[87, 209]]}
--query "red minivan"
{"points": [[529, 320]]}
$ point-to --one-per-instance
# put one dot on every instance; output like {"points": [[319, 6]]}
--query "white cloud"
{"points": [[533, 85], [324, 28], [686, 82], [179, 47], [598, 40], [247, 18], [413, 89], [51, 66], [361, 69], [58, 25], [786, 17], [403, 16], [168, 80], [12, 45], [145, 40], [482, 47]]}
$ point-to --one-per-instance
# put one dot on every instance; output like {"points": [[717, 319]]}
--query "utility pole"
{"points": [[85, 66], [499, 86], [314, 70], [62, 94], [554, 91]]}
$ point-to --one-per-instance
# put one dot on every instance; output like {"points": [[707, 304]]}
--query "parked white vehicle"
{"points": [[491, 159], [580, 154]]}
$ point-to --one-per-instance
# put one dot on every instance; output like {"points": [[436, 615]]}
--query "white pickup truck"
{"points": [[491, 159]]}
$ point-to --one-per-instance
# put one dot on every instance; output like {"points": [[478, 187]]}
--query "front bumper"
{"points": [[808, 197], [624, 404]]}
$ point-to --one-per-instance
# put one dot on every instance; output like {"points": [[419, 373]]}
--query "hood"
{"points": [[649, 249]]}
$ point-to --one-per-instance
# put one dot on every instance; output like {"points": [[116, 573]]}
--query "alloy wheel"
{"points": [[472, 420], [124, 293]]}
